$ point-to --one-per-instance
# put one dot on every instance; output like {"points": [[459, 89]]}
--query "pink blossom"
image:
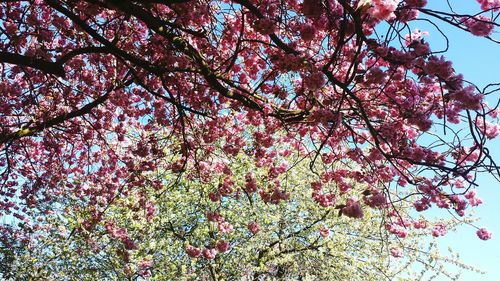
{"points": [[396, 230], [416, 3], [177, 166], [129, 244], [307, 32], [420, 224], [209, 253], [214, 196], [483, 234], [225, 189], [467, 98], [376, 200], [316, 185], [265, 26], [353, 209], [127, 270], [407, 14], [439, 67], [422, 204], [479, 25], [397, 252], [489, 4], [250, 186], [439, 230], [145, 264], [250, 183], [324, 232], [222, 246], [324, 200], [253, 227], [383, 9], [193, 251], [416, 36], [225, 227], [472, 198], [215, 217], [312, 8], [488, 129], [421, 49], [274, 196], [314, 80]]}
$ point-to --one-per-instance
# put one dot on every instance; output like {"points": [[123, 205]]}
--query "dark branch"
{"points": [[45, 66]]}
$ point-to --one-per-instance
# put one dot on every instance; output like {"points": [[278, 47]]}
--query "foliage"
{"points": [[296, 240], [98, 96]]}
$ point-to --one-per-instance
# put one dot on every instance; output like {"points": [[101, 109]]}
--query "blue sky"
{"points": [[478, 60]]}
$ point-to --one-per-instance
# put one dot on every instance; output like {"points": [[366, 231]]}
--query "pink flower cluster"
{"points": [[415, 36], [324, 231], [226, 188], [324, 200], [274, 196], [312, 8], [416, 3], [479, 25], [489, 4], [314, 80], [397, 252], [466, 98], [397, 229], [225, 227], [145, 264], [253, 227], [121, 234], [439, 67], [326, 116], [420, 224], [307, 32], [208, 253], [193, 251], [422, 204], [488, 129], [439, 230], [353, 209], [377, 200], [265, 26], [250, 183], [383, 9], [473, 199], [484, 234], [460, 204], [214, 196], [222, 225], [214, 217], [223, 246]]}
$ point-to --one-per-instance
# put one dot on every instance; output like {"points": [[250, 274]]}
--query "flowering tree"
{"points": [[195, 237], [97, 95]]}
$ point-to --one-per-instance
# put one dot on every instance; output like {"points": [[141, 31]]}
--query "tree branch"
{"points": [[54, 68]]}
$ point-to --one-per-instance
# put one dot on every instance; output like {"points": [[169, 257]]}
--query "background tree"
{"points": [[96, 95], [236, 237]]}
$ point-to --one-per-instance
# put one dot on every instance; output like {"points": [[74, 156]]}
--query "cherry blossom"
{"points": [[479, 25], [353, 209], [209, 254], [253, 227], [484, 234], [100, 99], [193, 251], [222, 246], [324, 232]]}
